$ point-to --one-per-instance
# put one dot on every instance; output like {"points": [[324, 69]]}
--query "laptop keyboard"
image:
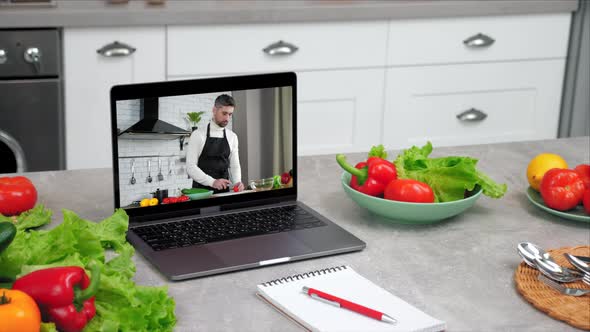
{"points": [[190, 232]]}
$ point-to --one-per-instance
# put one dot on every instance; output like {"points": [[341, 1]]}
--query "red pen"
{"points": [[342, 303]]}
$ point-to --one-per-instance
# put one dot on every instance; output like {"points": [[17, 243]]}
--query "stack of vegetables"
{"points": [[45, 284], [415, 177]]}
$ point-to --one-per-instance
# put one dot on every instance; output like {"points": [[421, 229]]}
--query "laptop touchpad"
{"points": [[258, 248]]}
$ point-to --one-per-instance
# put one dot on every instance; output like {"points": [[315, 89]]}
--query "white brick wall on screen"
{"points": [[172, 110]]}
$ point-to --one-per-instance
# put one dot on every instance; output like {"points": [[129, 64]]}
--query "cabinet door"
{"points": [[503, 102], [89, 77], [339, 111]]}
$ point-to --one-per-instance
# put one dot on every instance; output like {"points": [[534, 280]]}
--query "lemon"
{"points": [[539, 165]]}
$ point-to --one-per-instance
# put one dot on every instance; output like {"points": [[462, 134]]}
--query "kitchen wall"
{"points": [[172, 110]]}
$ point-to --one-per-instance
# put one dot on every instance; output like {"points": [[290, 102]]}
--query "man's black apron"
{"points": [[214, 160]]}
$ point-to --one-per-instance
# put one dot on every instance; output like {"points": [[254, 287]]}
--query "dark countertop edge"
{"points": [[108, 16]]}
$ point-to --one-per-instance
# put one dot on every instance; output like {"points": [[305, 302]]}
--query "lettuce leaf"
{"points": [[35, 217], [378, 151], [449, 177], [121, 305]]}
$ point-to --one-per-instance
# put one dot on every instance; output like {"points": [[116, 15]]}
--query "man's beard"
{"points": [[222, 123]]}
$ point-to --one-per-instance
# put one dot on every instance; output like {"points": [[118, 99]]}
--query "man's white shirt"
{"points": [[195, 148]]}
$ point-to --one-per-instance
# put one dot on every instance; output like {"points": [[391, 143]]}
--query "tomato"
{"points": [[562, 189], [17, 194], [18, 312], [183, 198], [407, 190], [583, 171], [285, 178], [236, 188], [166, 200], [586, 200]]}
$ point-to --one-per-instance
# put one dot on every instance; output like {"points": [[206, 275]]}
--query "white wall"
{"points": [[172, 110]]}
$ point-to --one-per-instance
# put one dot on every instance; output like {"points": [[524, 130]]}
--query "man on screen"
{"points": [[212, 156]]}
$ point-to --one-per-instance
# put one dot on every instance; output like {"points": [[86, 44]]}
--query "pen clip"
{"points": [[317, 297]]}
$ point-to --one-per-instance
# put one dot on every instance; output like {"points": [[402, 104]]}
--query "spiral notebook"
{"points": [[286, 295]]}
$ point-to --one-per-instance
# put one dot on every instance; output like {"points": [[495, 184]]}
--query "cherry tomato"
{"points": [[562, 189], [236, 188], [407, 190], [583, 171], [183, 198], [586, 200], [166, 200]]}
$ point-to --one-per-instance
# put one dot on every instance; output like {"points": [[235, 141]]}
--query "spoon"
{"points": [[578, 263], [132, 172], [529, 252], [557, 272]]}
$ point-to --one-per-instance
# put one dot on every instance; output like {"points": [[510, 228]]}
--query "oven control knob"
{"points": [[3, 56], [33, 56]]}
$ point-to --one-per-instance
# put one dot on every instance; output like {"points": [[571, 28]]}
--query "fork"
{"points": [[561, 288]]}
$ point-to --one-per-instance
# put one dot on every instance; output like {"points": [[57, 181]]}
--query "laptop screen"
{"points": [[181, 145]]}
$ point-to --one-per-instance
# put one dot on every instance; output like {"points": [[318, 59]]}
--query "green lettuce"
{"points": [[121, 305], [449, 177]]}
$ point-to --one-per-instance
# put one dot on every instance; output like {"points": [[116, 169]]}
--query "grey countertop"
{"points": [[460, 270], [87, 13]]}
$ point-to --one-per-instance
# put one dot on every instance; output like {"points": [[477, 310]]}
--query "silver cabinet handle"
{"points": [[3, 56], [280, 48], [479, 40], [472, 115], [115, 49]]}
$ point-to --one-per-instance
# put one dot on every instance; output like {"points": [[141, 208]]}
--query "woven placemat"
{"points": [[574, 310]]}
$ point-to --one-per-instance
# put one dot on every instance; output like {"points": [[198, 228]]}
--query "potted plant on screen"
{"points": [[194, 118]]}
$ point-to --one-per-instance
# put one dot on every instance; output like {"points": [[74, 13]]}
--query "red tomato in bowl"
{"points": [[583, 171], [17, 194], [586, 200], [562, 189], [407, 190]]}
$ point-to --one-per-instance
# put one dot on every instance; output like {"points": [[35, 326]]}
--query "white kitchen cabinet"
{"points": [[520, 101], [339, 111], [89, 77], [240, 49], [447, 40]]}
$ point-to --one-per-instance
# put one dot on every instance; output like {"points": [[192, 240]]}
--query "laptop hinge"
{"points": [[211, 209]]}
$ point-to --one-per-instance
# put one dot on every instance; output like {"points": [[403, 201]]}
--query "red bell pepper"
{"points": [[370, 177], [65, 295]]}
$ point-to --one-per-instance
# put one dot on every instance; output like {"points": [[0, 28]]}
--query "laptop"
{"points": [[165, 168]]}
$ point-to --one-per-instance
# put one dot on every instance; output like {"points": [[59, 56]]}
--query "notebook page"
{"points": [[349, 285]]}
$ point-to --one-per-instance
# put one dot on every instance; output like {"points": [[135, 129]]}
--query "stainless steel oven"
{"points": [[32, 136]]}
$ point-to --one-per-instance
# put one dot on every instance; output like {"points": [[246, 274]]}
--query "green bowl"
{"points": [[408, 213], [196, 196]]}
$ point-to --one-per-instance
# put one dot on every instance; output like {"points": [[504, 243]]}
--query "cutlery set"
{"points": [[159, 177], [552, 274]]}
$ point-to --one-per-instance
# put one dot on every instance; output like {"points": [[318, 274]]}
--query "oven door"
{"points": [[31, 120]]}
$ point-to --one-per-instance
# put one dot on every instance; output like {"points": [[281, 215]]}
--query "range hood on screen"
{"points": [[150, 126]]}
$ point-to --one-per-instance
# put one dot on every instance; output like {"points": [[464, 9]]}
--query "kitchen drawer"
{"points": [[521, 101], [435, 41], [232, 49]]}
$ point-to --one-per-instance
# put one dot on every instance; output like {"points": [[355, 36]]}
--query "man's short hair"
{"points": [[224, 100]]}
